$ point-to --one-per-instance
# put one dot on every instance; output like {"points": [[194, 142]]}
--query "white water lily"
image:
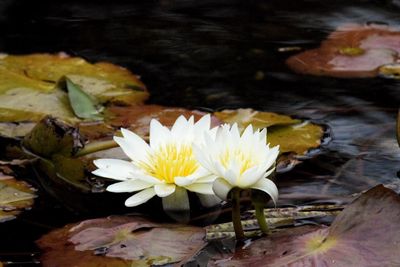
{"points": [[165, 167], [241, 161]]}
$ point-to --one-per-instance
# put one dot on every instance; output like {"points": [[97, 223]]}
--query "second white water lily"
{"points": [[239, 161], [166, 167]]}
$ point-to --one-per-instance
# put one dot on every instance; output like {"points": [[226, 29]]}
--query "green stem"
{"points": [[236, 220], [262, 222], [95, 147]]}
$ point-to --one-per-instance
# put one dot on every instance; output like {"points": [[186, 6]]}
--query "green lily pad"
{"points": [[244, 117], [120, 241], [355, 238], [292, 135], [15, 196], [30, 86]]}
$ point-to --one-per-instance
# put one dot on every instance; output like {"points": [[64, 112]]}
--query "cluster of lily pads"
{"points": [[85, 126]]}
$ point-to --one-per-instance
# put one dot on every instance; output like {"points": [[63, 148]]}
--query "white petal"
{"points": [[163, 190], [202, 157], [140, 198], [200, 174], [271, 157], [147, 178], [139, 148], [128, 186], [209, 200], [207, 179], [235, 134], [126, 147], [221, 188], [268, 187], [248, 132], [106, 174], [180, 125], [117, 167], [203, 124], [268, 173], [159, 134], [250, 177], [201, 188], [263, 135], [178, 201]]}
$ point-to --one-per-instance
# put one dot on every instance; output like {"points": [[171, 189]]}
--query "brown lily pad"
{"points": [[120, 241], [15, 196], [137, 118], [30, 89], [365, 233], [351, 51]]}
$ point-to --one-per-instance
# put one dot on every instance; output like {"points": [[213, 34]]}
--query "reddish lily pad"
{"points": [[120, 241], [365, 233], [137, 119], [351, 51], [15, 196]]}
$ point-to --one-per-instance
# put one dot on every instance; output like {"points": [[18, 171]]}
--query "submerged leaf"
{"points": [[120, 241], [82, 104], [355, 238], [15, 196]]}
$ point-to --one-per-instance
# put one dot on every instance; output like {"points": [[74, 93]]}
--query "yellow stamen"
{"points": [[240, 157], [170, 161]]}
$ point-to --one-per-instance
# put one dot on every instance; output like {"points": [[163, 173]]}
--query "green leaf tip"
{"points": [[82, 104]]}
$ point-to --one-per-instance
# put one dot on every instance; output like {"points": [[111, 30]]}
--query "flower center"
{"points": [[239, 157], [171, 161]]}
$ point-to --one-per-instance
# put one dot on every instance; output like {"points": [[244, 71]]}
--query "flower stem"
{"points": [[262, 222], [95, 147], [236, 220]]}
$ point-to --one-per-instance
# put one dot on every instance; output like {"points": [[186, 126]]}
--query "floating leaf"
{"points": [[120, 241], [355, 238], [29, 88], [82, 104], [15, 196], [297, 138], [351, 51], [391, 71], [137, 118], [244, 117]]}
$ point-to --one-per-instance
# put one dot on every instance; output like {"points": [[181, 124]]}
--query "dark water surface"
{"points": [[223, 54]]}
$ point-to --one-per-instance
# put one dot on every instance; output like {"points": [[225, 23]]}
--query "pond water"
{"points": [[222, 54]]}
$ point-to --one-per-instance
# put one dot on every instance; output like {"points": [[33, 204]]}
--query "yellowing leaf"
{"points": [[297, 138], [30, 90], [244, 117], [15, 196]]}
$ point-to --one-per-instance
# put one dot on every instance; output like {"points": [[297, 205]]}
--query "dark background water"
{"points": [[218, 54]]}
